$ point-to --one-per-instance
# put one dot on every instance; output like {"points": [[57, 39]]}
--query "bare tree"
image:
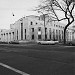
{"points": [[65, 6]]}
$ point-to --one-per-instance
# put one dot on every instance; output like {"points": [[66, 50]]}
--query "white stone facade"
{"points": [[8, 35], [31, 28]]}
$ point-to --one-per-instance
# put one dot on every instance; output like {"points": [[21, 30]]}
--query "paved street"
{"points": [[5, 71], [39, 59]]}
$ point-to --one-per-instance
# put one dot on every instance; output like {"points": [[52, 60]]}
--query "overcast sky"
{"points": [[20, 8]]}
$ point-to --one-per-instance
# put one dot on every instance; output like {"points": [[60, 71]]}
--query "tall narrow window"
{"points": [[6, 36], [21, 31], [25, 33], [25, 30], [59, 36], [13, 35], [32, 36], [39, 33], [39, 36], [56, 34], [62, 35], [10, 36], [50, 33], [17, 34], [31, 23], [45, 33]]}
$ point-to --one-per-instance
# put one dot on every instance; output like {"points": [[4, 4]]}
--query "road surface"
{"points": [[39, 59]]}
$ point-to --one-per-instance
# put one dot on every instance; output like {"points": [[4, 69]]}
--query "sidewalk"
{"points": [[21, 44]]}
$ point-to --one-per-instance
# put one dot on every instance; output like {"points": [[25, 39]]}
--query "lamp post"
{"points": [[44, 22]]}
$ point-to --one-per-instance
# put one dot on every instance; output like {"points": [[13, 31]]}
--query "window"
{"points": [[10, 36], [56, 25], [59, 36], [39, 32], [21, 31], [6, 36], [56, 34], [39, 29], [25, 36], [13, 35], [32, 36], [50, 33], [45, 33], [25, 33], [17, 34], [39, 36], [25, 30], [31, 23], [46, 29], [36, 22], [32, 29], [62, 35]]}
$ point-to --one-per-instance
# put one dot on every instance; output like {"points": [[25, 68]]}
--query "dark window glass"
{"points": [[31, 23], [32, 36], [36, 23], [56, 25], [39, 36], [56, 34], [25, 30], [25, 33], [39, 29], [21, 31], [13, 34], [50, 33], [59, 36], [25, 36], [62, 35], [45, 33], [46, 29], [17, 34]]}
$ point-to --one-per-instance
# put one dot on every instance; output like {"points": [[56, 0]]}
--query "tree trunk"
{"points": [[69, 23], [65, 36], [65, 32]]}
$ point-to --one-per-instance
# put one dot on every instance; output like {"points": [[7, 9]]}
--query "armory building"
{"points": [[32, 28]]}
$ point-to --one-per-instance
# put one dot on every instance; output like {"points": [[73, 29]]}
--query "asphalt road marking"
{"points": [[13, 69]]}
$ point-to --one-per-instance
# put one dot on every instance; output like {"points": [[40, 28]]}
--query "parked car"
{"points": [[47, 42]]}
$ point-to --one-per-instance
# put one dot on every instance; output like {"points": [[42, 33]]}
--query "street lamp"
{"points": [[44, 22]]}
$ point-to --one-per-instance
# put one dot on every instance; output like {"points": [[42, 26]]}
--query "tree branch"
{"points": [[72, 8]]}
